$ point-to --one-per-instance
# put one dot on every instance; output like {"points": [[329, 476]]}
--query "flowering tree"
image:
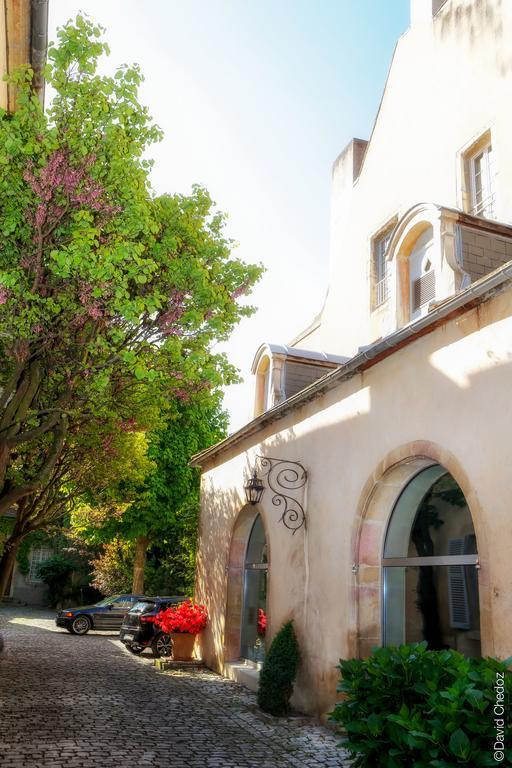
{"points": [[110, 297], [159, 504]]}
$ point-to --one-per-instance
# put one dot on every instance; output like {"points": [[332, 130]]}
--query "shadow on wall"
{"points": [[410, 397], [471, 22], [225, 525], [212, 565]]}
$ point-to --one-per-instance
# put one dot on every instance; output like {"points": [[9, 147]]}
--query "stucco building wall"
{"points": [[446, 398]]}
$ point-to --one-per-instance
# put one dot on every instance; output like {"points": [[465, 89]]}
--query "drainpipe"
{"points": [[39, 44]]}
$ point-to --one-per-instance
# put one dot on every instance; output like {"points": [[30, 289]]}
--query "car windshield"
{"points": [[106, 601], [143, 606]]}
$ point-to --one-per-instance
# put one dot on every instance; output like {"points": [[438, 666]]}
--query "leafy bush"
{"points": [[113, 569], [55, 572], [278, 673], [408, 707]]}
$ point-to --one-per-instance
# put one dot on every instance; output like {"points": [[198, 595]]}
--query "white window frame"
{"points": [[486, 207], [38, 556], [380, 269]]}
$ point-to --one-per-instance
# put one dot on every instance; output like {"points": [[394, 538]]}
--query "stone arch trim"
{"points": [[376, 504], [235, 573], [410, 227], [446, 236]]}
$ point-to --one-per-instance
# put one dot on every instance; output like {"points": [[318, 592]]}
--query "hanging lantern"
{"points": [[253, 489]]}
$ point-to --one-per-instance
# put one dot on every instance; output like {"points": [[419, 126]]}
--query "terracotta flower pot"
{"points": [[182, 646]]}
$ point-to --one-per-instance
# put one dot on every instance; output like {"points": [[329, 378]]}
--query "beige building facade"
{"points": [[381, 437]]}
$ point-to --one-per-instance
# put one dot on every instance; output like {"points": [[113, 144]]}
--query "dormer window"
{"points": [[283, 371]]}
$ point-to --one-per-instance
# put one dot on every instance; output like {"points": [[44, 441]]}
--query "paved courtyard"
{"points": [[68, 702]]}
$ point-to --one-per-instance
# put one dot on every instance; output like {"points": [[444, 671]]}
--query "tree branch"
{"points": [[19, 492]]}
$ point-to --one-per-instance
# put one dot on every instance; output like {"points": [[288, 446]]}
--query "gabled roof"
{"points": [[299, 355]]}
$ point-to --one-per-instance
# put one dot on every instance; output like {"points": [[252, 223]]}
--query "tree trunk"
{"points": [[141, 546], [7, 567]]}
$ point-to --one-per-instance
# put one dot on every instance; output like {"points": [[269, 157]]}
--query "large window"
{"points": [[430, 567], [254, 619], [479, 172], [482, 183], [380, 280]]}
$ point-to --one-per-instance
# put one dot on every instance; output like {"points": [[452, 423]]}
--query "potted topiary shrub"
{"points": [[279, 671]]}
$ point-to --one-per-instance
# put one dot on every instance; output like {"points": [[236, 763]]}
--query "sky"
{"points": [[256, 99]]}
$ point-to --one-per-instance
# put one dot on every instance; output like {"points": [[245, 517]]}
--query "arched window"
{"points": [[430, 575], [254, 618], [262, 401], [422, 276]]}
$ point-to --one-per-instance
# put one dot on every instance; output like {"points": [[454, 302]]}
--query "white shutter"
{"points": [[457, 588]]}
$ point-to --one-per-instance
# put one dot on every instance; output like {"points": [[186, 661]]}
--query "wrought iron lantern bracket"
{"points": [[285, 479]]}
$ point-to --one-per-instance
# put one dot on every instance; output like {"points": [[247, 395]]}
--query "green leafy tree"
{"points": [[110, 296], [113, 568], [164, 508]]}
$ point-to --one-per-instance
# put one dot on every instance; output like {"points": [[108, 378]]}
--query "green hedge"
{"points": [[408, 707]]}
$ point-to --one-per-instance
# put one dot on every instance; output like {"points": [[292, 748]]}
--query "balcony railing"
{"points": [[484, 208], [381, 292]]}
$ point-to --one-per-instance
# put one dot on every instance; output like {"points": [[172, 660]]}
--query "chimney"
{"points": [[422, 11]]}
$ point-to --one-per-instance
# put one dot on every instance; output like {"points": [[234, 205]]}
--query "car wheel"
{"points": [[70, 630], [81, 625], [135, 649], [161, 645]]}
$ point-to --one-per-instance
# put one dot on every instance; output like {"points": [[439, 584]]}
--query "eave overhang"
{"points": [[477, 293]]}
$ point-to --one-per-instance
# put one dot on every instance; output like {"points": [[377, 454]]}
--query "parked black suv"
{"points": [[138, 633]]}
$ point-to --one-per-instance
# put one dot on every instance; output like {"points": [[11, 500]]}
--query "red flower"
{"points": [[186, 617], [262, 622]]}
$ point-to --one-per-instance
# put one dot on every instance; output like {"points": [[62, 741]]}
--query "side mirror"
{"points": [[110, 606]]}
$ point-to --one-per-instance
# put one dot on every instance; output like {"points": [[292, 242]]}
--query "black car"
{"points": [[139, 632], [108, 614]]}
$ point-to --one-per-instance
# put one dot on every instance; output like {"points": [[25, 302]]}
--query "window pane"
{"points": [[38, 555], [431, 518], [254, 618], [399, 531], [257, 547], [438, 604], [482, 180]]}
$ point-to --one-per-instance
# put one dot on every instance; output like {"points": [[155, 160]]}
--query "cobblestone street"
{"points": [[68, 702]]}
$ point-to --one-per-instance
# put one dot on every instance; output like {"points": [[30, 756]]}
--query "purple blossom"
{"points": [[169, 320], [240, 291], [73, 182], [95, 311]]}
